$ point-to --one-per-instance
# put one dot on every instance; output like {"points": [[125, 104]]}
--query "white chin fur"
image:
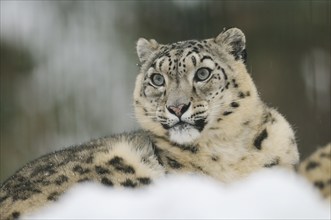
{"points": [[183, 136]]}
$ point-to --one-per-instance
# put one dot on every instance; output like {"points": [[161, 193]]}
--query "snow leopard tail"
{"points": [[317, 169]]}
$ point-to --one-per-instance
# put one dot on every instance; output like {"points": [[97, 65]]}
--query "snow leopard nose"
{"points": [[178, 110]]}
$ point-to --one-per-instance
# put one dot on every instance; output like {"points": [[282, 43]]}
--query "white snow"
{"points": [[269, 194]]}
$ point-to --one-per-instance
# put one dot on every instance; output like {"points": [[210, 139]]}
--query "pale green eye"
{"points": [[202, 74], [157, 79]]}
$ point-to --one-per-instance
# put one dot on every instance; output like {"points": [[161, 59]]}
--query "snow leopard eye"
{"points": [[157, 79], [202, 74]]}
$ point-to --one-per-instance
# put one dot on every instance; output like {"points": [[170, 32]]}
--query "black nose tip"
{"points": [[178, 110]]}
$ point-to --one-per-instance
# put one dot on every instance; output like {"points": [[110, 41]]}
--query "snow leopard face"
{"points": [[187, 88]]}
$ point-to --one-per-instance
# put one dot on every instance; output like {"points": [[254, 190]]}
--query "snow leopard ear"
{"points": [[145, 48], [235, 41]]}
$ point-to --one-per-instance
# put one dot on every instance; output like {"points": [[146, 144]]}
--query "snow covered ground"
{"points": [[269, 194]]}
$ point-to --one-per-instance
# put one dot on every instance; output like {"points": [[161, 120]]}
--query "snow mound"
{"points": [[269, 194]]}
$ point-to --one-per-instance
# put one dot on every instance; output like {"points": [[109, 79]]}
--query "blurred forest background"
{"points": [[68, 67]]}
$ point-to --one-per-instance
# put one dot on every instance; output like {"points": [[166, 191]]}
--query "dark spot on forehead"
{"points": [[194, 60], [206, 58], [200, 45], [227, 85], [179, 48], [161, 63], [188, 53], [186, 44], [179, 52], [225, 76]]}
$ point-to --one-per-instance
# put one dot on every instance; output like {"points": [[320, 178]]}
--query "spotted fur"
{"points": [[317, 169], [199, 111], [124, 160]]}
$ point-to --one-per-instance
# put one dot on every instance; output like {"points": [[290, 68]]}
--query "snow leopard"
{"points": [[199, 112]]}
